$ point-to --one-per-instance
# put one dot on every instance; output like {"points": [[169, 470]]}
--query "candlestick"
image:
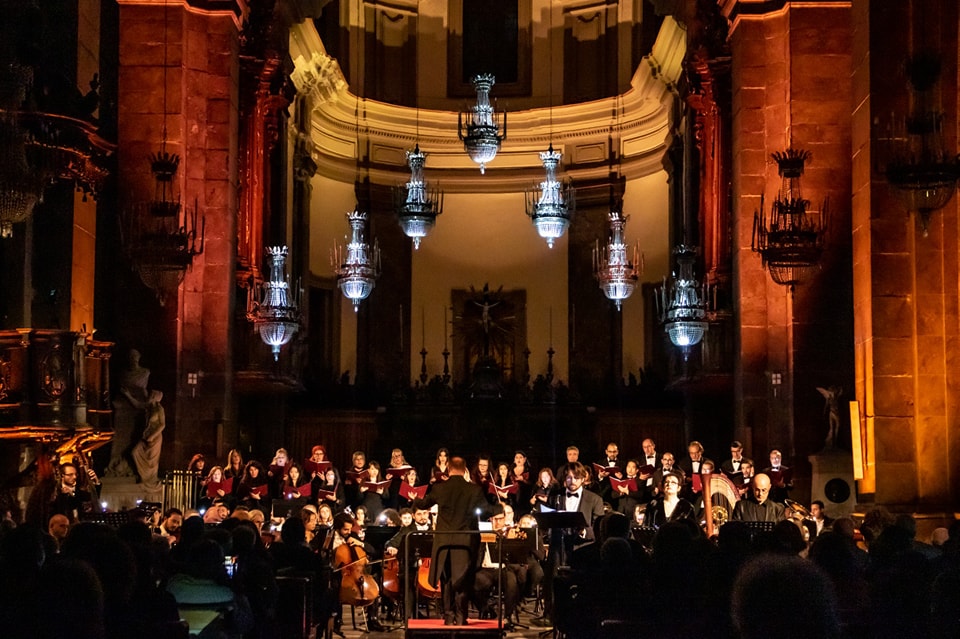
{"points": [[423, 327], [551, 327], [401, 328], [444, 327]]}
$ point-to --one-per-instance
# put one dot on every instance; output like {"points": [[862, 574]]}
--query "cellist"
{"points": [[356, 585]]}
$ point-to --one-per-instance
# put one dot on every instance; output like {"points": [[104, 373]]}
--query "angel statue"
{"points": [[831, 407]]}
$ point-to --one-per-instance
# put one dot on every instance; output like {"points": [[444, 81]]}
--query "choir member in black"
{"points": [[482, 476], [440, 470], [215, 487], [254, 491], [502, 484], [396, 472], [454, 558], [669, 506], [406, 499], [297, 485], [781, 477], [277, 472], [352, 478], [316, 466], [234, 469], [520, 475], [545, 490], [373, 498], [625, 498], [330, 491]]}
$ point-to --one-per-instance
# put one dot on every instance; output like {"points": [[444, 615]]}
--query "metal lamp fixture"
{"points": [[681, 302], [417, 205], [616, 274], [920, 171], [551, 206], [276, 316], [482, 129], [791, 239], [160, 237], [358, 265]]}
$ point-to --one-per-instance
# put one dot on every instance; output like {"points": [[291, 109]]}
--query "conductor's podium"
{"points": [[435, 629]]}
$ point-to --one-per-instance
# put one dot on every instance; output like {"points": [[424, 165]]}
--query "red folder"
{"points": [[316, 467], [357, 476], [412, 492], [697, 482], [400, 471], [259, 490], [375, 485], [327, 495], [646, 470], [440, 476], [612, 470], [226, 486], [502, 491], [631, 484], [304, 490]]}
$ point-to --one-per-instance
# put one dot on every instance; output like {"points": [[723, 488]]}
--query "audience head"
{"points": [[768, 583], [59, 525]]}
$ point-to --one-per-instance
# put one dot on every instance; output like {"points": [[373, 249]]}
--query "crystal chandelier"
{"points": [[358, 270], [552, 205], [790, 241], [276, 316], [417, 206], [921, 172], [616, 274], [681, 303], [481, 129], [161, 237]]}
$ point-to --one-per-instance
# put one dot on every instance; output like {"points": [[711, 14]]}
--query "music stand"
{"points": [[561, 520]]}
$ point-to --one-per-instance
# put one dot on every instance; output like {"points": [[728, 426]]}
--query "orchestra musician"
{"points": [[759, 507], [453, 561], [349, 558], [487, 575]]}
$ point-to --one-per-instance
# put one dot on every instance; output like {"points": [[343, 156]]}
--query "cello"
{"points": [[357, 586]]}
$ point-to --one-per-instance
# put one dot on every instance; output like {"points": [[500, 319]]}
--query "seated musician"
{"points": [[70, 498], [669, 506], [346, 564], [490, 571], [759, 507]]}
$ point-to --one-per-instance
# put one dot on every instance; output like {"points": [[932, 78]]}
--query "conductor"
{"points": [[453, 561]]}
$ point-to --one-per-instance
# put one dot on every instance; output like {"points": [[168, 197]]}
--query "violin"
{"points": [[357, 586]]}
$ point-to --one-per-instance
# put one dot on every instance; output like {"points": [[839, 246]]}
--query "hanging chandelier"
{"points": [[276, 316], [161, 237], [417, 206], [482, 129], [681, 303], [41, 148], [922, 174], [552, 205], [616, 274], [790, 241], [358, 266]]}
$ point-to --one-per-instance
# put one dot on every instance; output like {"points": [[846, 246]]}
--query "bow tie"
{"points": [[569, 494]]}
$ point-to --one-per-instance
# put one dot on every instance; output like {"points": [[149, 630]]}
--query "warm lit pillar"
{"points": [[199, 108], [790, 84], [906, 285]]}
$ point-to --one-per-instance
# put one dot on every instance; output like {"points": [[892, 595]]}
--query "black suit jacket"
{"points": [[591, 506], [458, 501]]}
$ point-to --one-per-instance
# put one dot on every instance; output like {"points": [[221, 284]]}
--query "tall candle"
{"points": [[551, 327], [423, 327], [444, 327]]}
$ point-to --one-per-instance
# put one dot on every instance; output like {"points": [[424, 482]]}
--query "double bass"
{"points": [[357, 585]]}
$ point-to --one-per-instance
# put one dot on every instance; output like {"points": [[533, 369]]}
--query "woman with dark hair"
{"points": [[330, 491], [373, 493], [669, 506], [520, 475], [296, 484], [440, 472], [503, 484], [254, 491]]}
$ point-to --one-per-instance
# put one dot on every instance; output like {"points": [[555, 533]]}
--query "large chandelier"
{"points": [[417, 206], [482, 129], [276, 316], [681, 302], [358, 265], [921, 172], [616, 274], [552, 205], [160, 236], [790, 241]]}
